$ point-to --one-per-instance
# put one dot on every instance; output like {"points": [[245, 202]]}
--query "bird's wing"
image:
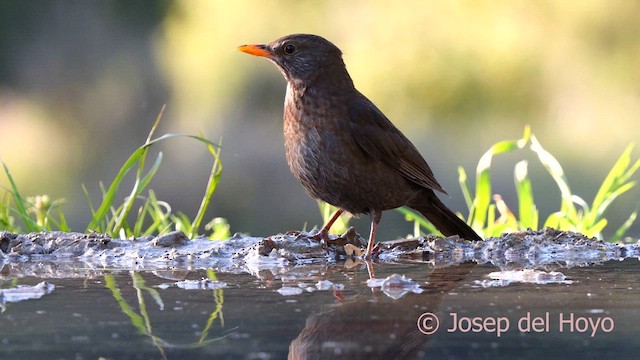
{"points": [[382, 141]]}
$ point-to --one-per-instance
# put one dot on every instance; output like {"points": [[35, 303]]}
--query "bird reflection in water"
{"points": [[362, 328]]}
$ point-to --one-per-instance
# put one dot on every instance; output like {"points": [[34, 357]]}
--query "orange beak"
{"points": [[257, 50]]}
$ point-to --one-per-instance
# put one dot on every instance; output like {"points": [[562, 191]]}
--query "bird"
{"points": [[342, 148]]}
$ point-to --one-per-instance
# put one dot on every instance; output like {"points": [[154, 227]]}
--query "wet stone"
{"points": [[175, 238], [515, 251], [5, 240]]}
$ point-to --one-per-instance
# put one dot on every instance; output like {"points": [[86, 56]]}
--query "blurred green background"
{"points": [[82, 81]]}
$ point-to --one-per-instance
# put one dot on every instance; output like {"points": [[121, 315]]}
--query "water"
{"points": [[93, 313]]}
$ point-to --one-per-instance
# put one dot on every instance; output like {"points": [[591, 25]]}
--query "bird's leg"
{"points": [[333, 219], [323, 234], [372, 274], [375, 219]]}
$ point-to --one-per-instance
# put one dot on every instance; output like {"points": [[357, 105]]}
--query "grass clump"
{"points": [[490, 216], [152, 216]]}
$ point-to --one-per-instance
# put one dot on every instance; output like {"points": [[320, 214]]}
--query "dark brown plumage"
{"points": [[342, 148]]}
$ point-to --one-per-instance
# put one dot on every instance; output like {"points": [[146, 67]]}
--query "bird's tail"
{"points": [[441, 217]]}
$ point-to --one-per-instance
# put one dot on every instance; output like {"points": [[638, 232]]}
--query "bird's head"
{"points": [[302, 58]]}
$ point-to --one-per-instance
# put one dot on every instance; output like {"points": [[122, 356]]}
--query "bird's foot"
{"points": [[371, 252], [372, 274], [322, 235]]}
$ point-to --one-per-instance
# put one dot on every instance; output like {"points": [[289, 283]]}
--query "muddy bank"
{"points": [[58, 251]]}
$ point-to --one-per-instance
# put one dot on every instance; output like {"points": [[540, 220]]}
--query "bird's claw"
{"points": [[322, 236]]}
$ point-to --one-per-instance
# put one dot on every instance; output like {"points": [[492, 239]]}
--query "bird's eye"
{"points": [[289, 49]]}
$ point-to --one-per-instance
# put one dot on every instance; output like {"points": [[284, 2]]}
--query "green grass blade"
{"points": [[527, 211], [583, 204], [609, 184], [6, 220], [146, 179], [616, 183], [140, 219], [139, 185], [140, 284], [161, 215], [110, 194], [557, 173], [617, 237], [489, 230], [20, 203], [414, 216], [181, 222], [613, 195], [625, 177], [123, 211], [220, 229], [86, 195], [212, 185], [466, 193], [63, 225], [482, 198], [136, 320], [594, 230], [217, 312], [156, 122], [554, 220]]}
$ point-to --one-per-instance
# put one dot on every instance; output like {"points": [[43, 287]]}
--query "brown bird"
{"points": [[342, 148]]}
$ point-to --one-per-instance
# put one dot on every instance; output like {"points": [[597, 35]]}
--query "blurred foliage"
{"points": [[464, 61]]}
